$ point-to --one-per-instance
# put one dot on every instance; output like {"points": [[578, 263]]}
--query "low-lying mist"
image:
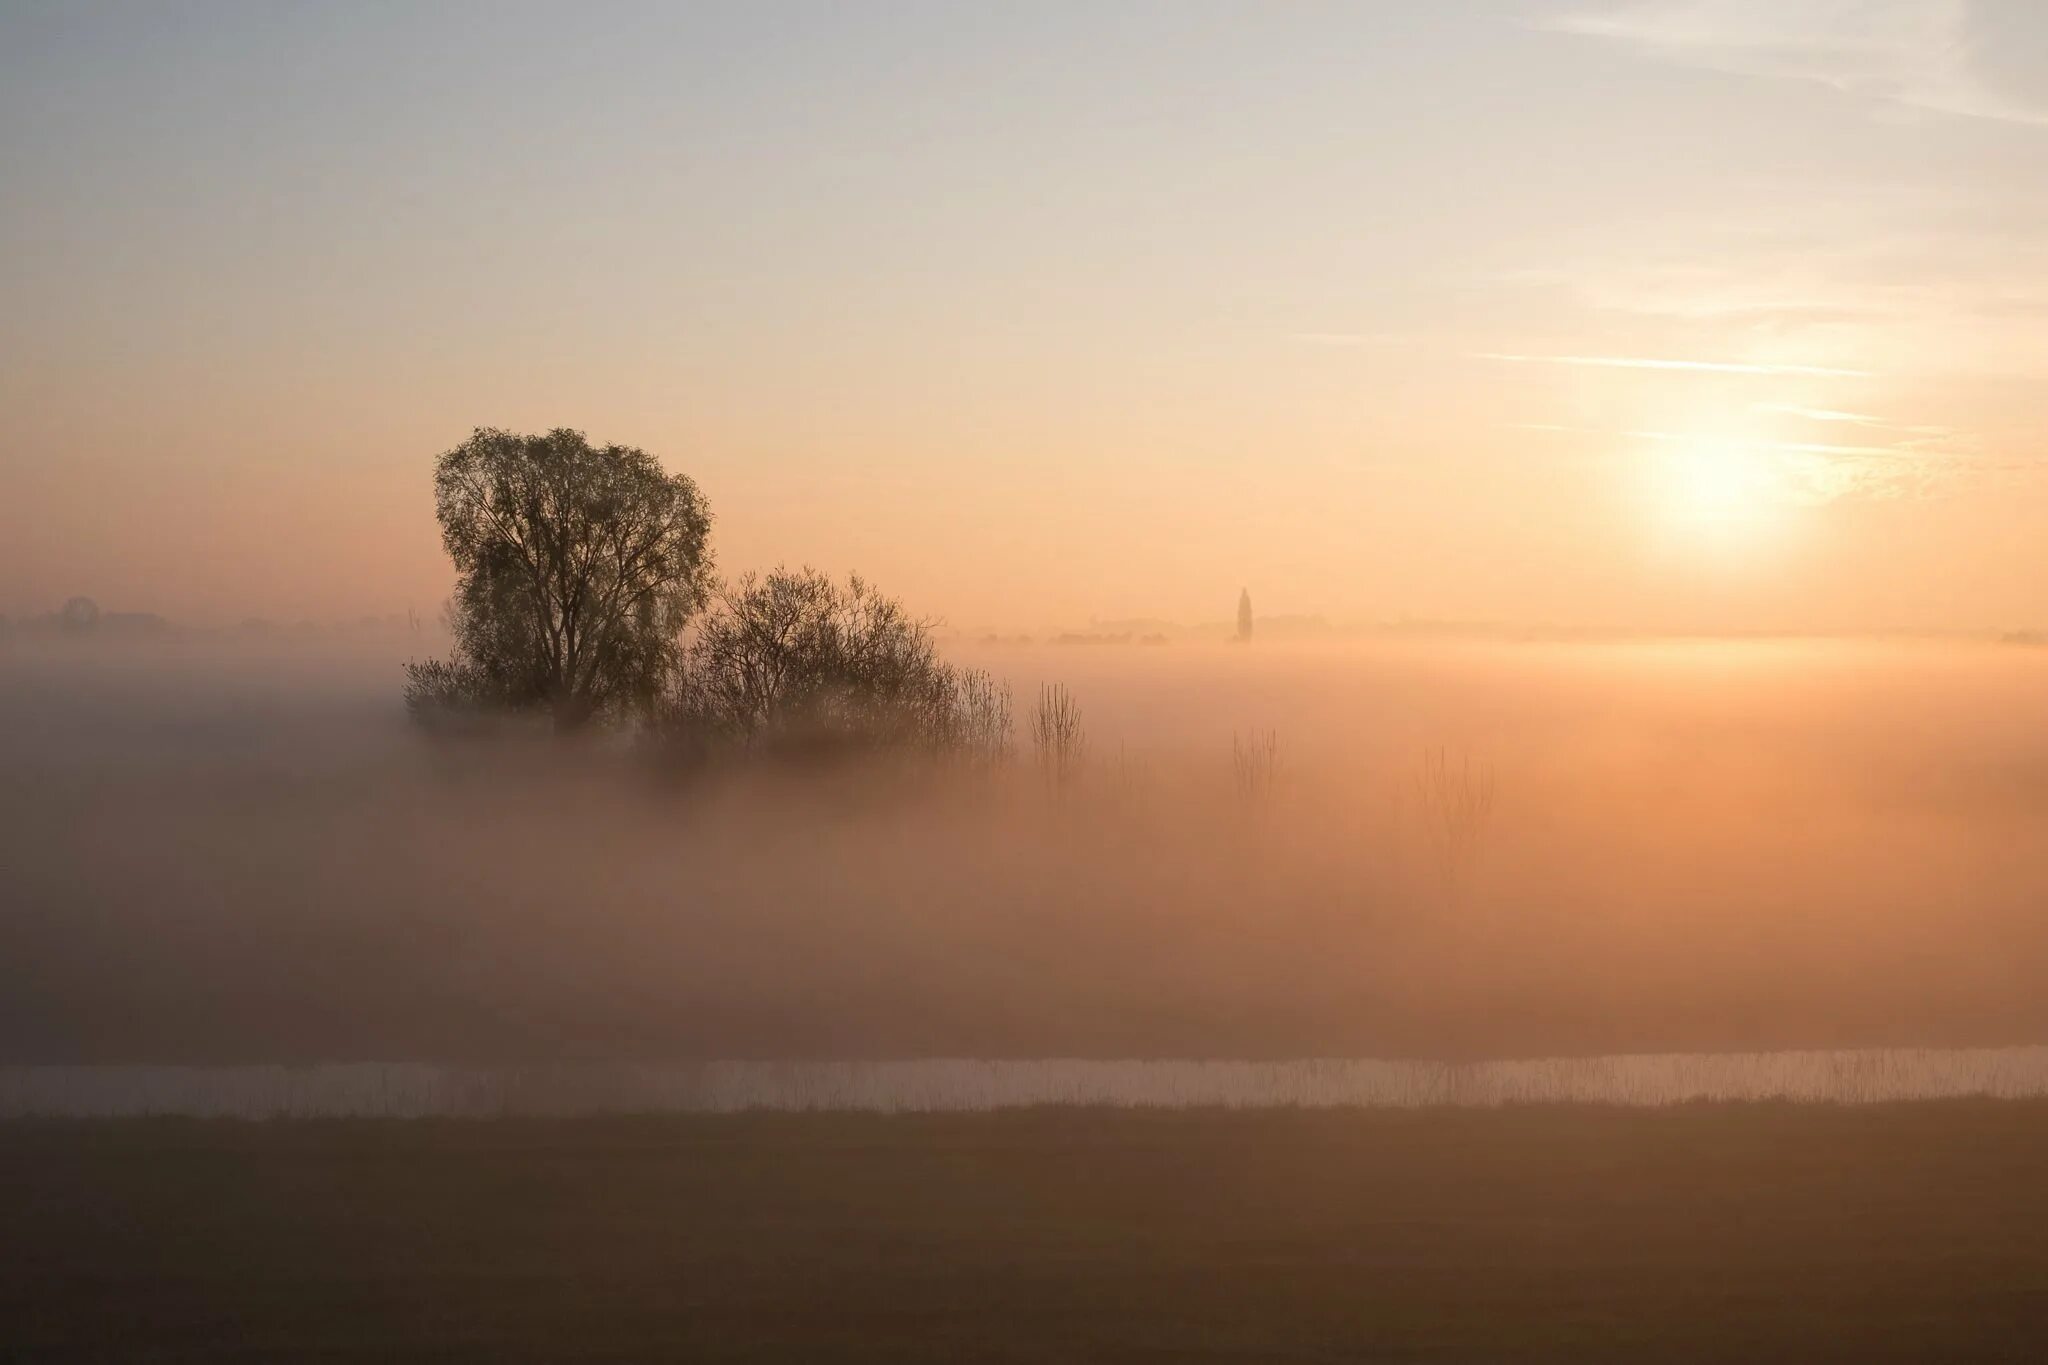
{"points": [[222, 852]]}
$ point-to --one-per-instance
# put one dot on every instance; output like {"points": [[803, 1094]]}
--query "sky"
{"points": [[1691, 315]]}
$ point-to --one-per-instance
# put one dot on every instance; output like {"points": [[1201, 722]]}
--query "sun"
{"points": [[1721, 489]]}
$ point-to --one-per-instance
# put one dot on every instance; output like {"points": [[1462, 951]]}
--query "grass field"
{"points": [[1769, 1232]]}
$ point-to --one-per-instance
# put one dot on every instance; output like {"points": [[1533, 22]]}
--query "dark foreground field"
{"points": [[1710, 1233]]}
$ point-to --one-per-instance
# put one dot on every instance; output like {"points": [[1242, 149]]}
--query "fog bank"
{"points": [[239, 853]]}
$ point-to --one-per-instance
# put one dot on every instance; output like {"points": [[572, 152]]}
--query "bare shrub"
{"points": [[1056, 735], [1456, 805], [795, 663], [449, 696], [980, 717], [1254, 763], [1127, 787]]}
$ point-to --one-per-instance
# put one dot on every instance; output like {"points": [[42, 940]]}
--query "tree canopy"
{"points": [[577, 568]]}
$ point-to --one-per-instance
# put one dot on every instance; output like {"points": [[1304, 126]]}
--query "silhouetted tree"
{"points": [[1244, 614], [80, 613], [794, 660], [577, 567]]}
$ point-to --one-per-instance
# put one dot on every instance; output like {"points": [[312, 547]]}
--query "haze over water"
{"points": [[235, 852]]}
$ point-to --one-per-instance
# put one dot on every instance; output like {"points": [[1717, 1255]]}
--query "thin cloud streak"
{"points": [[1346, 338], [1622, 362], [1820, 414], [1913, 53], [1693, 437], [1904, 450], [1779, 447], [1851, 418]]}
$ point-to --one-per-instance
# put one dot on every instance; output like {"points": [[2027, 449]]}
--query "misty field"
{"points": [[1747, 1232], [235, 852]]}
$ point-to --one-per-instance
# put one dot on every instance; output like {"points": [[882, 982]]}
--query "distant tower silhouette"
{"points": [[1244, 614]]}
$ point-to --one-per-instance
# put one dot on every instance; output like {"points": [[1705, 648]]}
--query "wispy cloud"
{"points": [[1774, 447], [1694, 438], [1819, 414], [1817, 472], [1629, 362], [1914, 53], [1346, 338], [1854, 418]]}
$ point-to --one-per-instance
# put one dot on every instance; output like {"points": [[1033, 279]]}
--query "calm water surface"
{"points": [[418, 1090]]}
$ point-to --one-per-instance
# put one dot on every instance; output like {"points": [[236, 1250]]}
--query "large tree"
{"points": [[577, 567]]}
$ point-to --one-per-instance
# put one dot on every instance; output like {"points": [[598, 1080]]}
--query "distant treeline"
{"points": [[82, 616]]}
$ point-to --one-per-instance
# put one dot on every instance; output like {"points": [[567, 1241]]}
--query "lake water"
{"points": [[403, 1090]]}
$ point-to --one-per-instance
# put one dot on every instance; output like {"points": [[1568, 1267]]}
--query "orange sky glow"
{"points": [[1713, 315]]}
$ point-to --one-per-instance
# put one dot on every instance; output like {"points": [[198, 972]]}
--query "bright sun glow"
{"points": [[1720, 488]]}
